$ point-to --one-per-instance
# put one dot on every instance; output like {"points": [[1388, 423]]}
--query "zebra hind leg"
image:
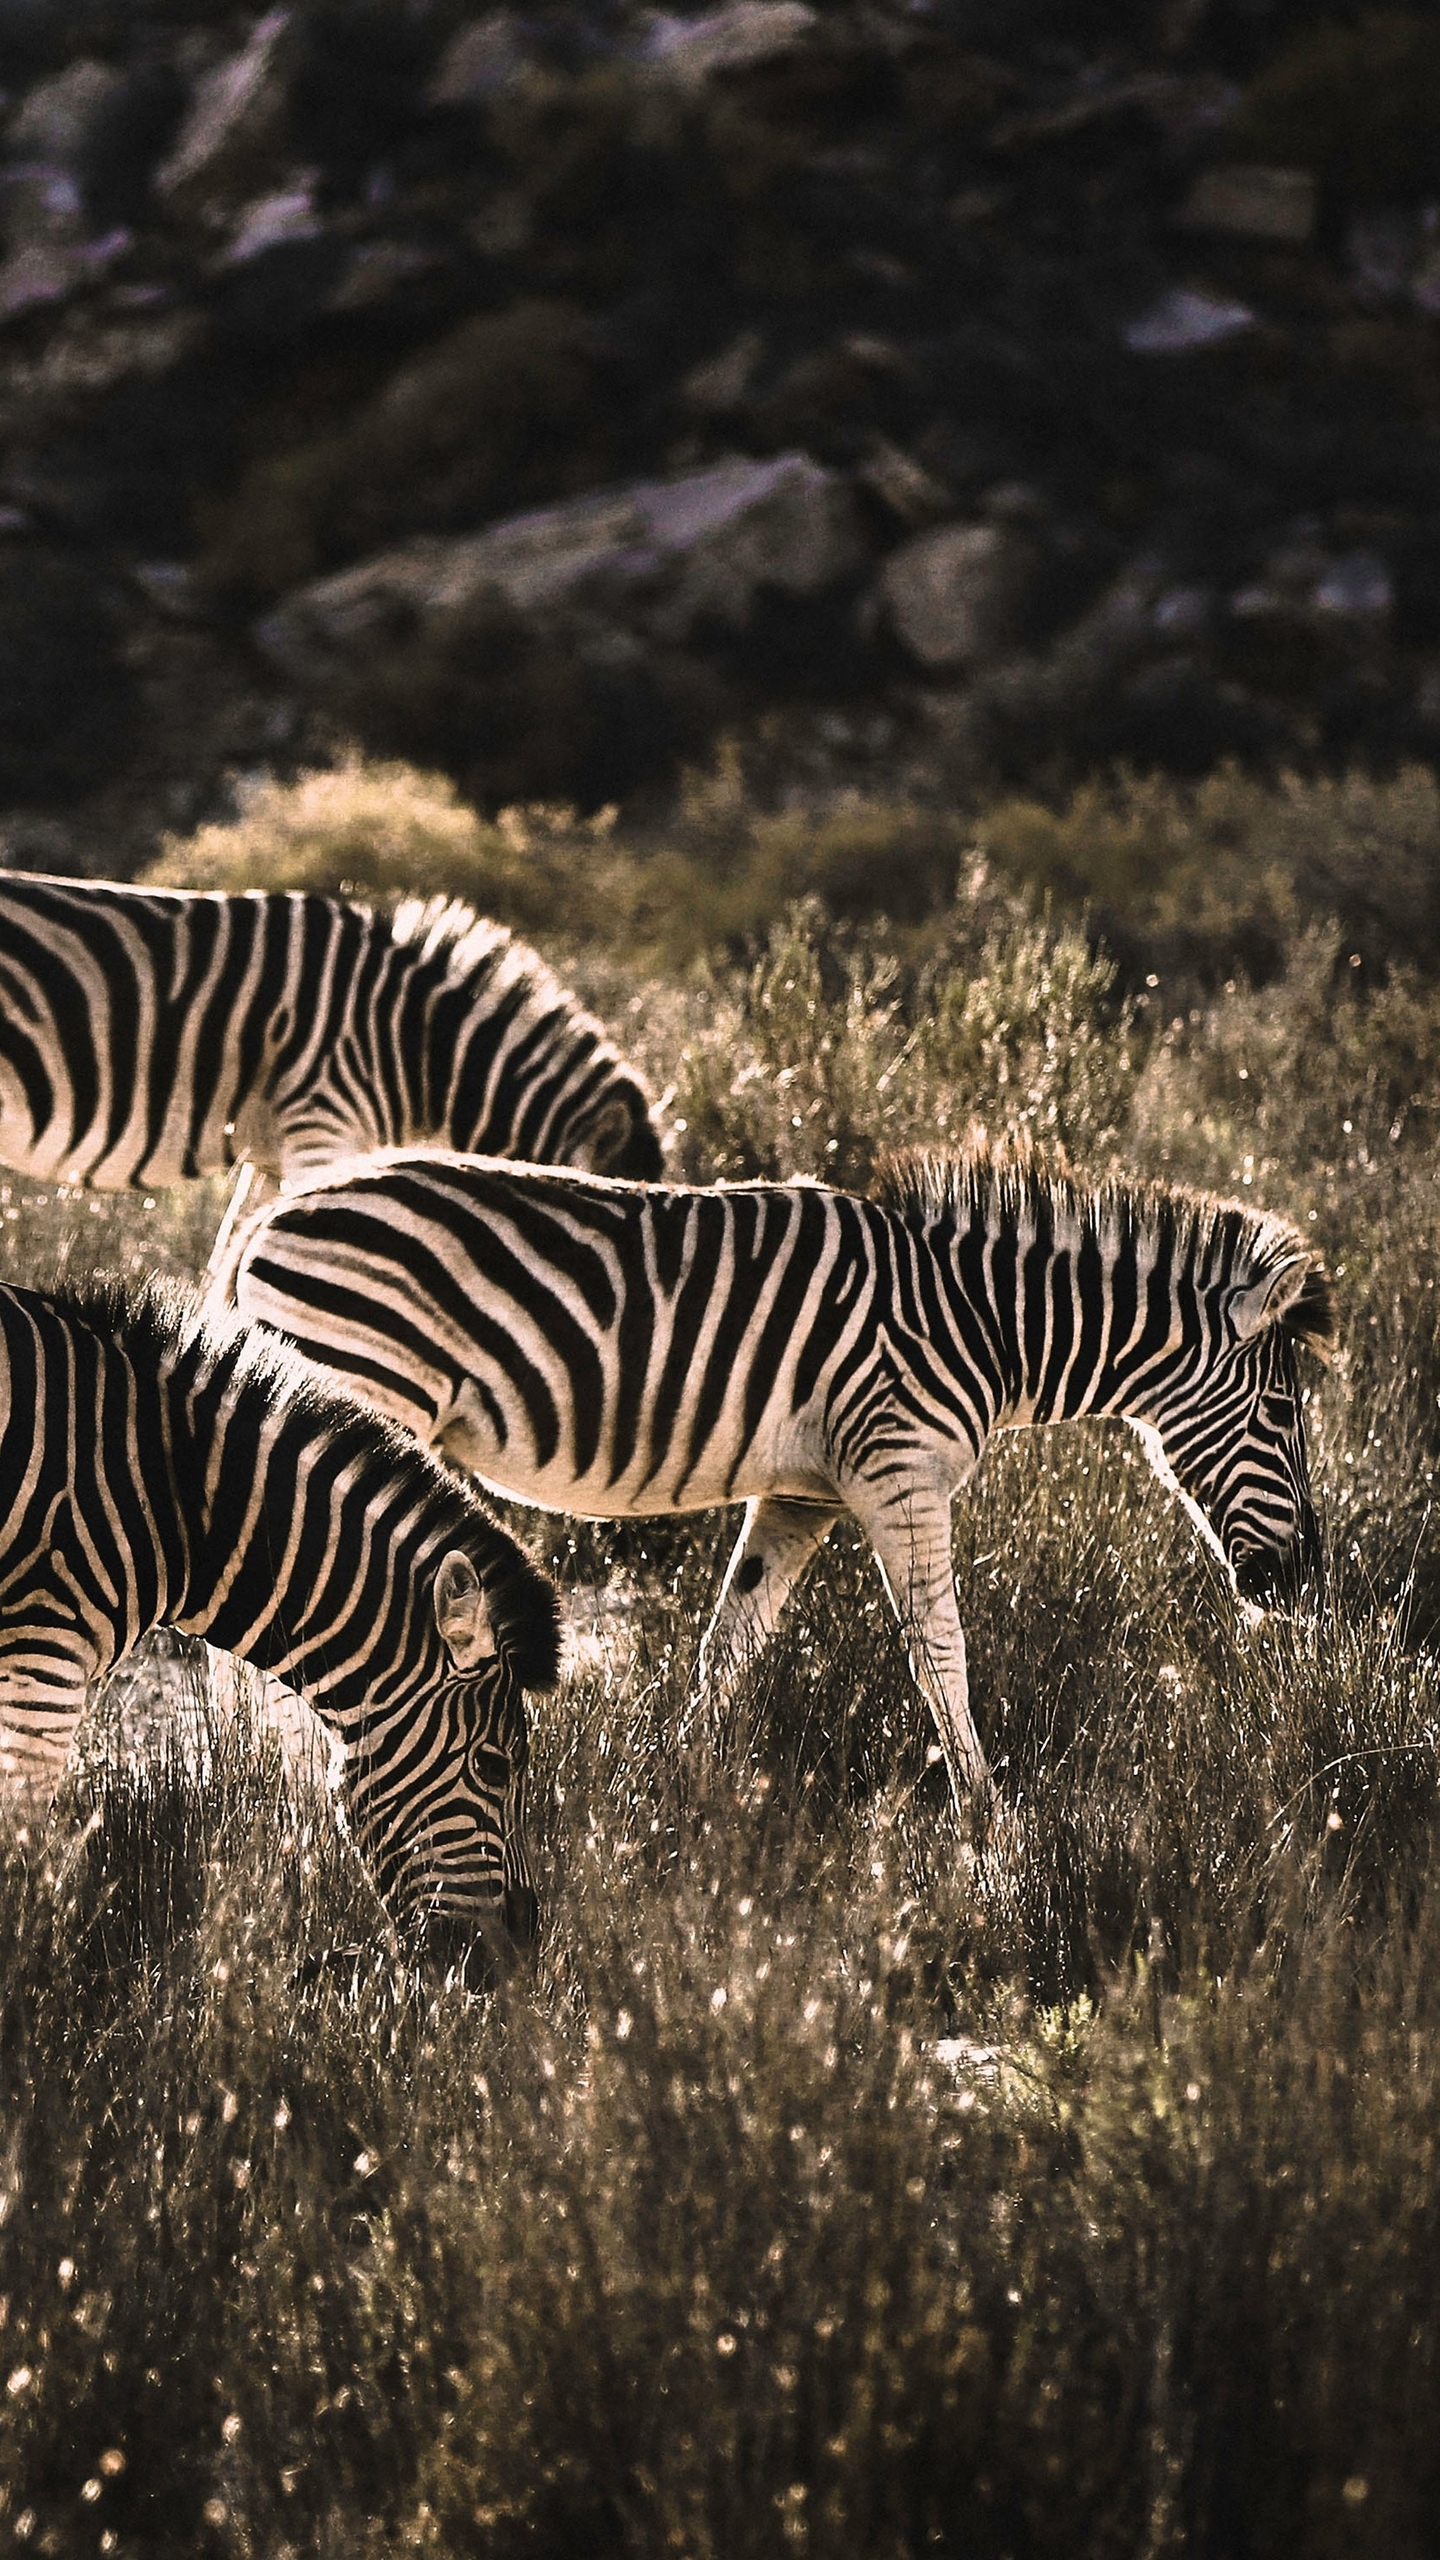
{"points": [[776, 1544]]}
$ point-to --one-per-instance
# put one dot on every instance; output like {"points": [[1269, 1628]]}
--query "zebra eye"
{"points": [[490, 1770]]}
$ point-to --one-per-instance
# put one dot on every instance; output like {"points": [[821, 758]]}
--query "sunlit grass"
{"points": [[837, 2179]]}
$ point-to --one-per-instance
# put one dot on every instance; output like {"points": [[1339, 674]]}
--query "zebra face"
{"points": [[1233, 1443], [475, 1800]]}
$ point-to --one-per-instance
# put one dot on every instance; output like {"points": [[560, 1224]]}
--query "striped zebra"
{"points": [[148, 1035], [611, 1349], [158, 1470]]}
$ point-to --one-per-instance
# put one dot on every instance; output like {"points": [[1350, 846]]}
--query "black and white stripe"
{"points": [[157, 1471], [613, 1349], [148, 1035]]}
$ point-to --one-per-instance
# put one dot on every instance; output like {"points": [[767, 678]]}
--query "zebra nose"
{"points": [[1283, 1577], [478, 1951]]}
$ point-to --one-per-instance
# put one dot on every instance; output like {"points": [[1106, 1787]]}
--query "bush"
{"points": [[500, 414], [384, 832], [1213, 877], [829, 1051]]}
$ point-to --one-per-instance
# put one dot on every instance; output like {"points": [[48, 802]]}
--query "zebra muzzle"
{"points": [[1288, 1578]]}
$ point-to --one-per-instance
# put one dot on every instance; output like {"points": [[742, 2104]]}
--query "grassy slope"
{"points": [[824, 2187]]}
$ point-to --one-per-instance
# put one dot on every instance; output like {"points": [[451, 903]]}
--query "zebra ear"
{"points": [[609, 1135], [1266, 1300], [461, 1613]]}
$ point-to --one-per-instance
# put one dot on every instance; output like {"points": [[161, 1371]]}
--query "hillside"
{"points": [[546, 394]]}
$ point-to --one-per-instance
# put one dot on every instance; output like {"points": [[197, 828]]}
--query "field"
{"points": [[831, 2184]]}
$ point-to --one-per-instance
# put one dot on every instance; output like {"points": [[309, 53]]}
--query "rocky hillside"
{"points": [[541, 393]]}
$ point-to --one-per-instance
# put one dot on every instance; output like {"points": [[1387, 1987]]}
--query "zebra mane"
{"points": [[156, 1324], [1024, 1183], [436, 928]]}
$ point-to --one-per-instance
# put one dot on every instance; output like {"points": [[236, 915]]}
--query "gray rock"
{"points": [[288, 214], [1252, 202], [688, 51], [1382, 244], [951, 596], [235, 125], [58, 119], [49, 271], [39, 201], [721, 383], [1355, 587], [1184, 319], [482, 61], [904, 485], [660, 557]]}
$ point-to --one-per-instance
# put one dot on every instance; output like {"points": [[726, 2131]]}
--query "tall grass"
{"points": [[835, 2181]]}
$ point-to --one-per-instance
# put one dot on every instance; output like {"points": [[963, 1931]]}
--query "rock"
{"points": [[483, 61], [60, 118], [1425, 287], [41, 200], [1356, 587], [45, 271], [235, 126], [904, 485], [664, 557], [1381, 248], [719, 385], [952, 596], [689, 51], [1185, 318], [289, 214], [1253, 202]]}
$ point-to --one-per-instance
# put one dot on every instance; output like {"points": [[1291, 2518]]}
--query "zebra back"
{"points": [[151, 1035]]}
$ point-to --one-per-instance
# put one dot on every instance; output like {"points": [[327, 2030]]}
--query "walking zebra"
{"points": [[147, 1035], [159, 1471], [612, 1349]]}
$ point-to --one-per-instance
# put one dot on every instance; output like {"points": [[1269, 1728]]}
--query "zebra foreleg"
{"points": [[776, 1544], [912, 1544]]}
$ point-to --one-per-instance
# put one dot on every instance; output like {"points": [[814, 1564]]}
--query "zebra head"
{"points": [[444, 1822], [1229, 1430]]}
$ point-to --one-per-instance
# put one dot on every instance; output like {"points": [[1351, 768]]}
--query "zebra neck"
{"points": [[1079, 1319]]}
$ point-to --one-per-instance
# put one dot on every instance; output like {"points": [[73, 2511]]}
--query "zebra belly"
{"points": [[773, 1463]]}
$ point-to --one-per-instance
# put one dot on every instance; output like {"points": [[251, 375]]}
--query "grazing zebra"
{"points": [[147, 1035], [611, 1349], [160, 1471]]}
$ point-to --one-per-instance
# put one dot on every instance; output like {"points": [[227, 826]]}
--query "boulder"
{"points": [[1252, 202], [689, 51], [234, 131], [59, 119], [952, 596], [663, 557], [482, 61], [1185, 319]]}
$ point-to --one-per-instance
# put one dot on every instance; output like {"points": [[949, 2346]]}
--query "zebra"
{"points": [[152, 1035], [616, 1349], [159, 1469]]}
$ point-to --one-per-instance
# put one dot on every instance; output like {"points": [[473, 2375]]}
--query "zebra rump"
{"points": [[157, 1469], [623, 1350], [151, 1035]]}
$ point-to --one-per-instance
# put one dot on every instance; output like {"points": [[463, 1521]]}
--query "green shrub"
{"points": [[501, 413], [384, 832], [1214, 876], [828, 1051]]}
